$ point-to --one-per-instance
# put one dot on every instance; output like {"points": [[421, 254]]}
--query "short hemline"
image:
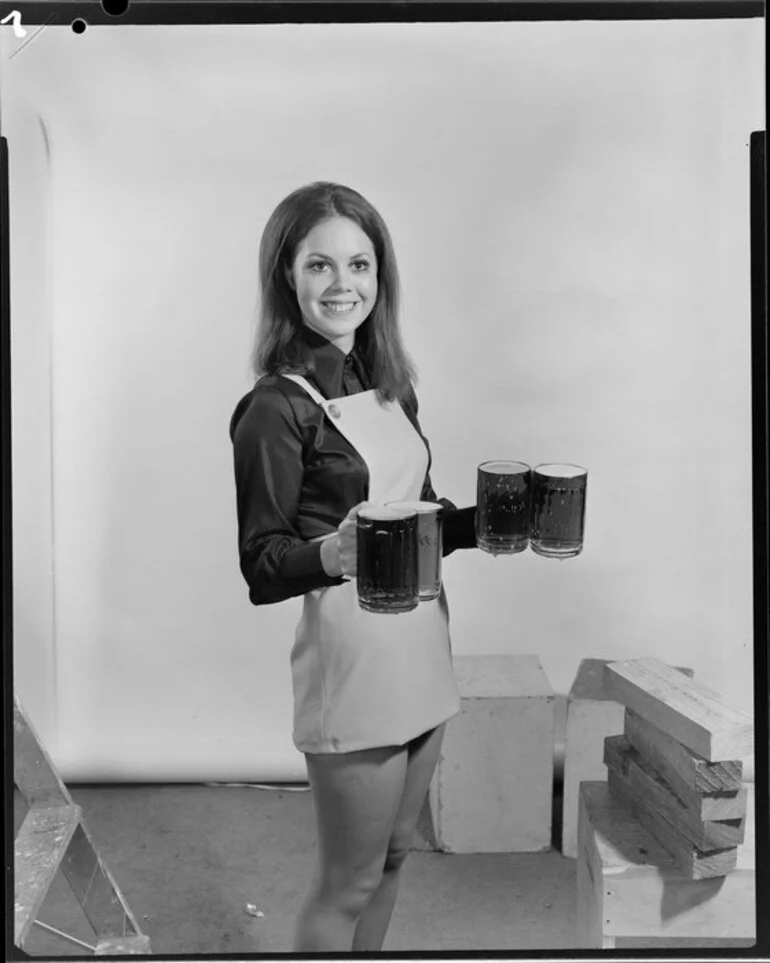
{"points": [[325, 750]]}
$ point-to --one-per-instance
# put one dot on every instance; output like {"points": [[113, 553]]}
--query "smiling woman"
{"points": [[331, 423]]}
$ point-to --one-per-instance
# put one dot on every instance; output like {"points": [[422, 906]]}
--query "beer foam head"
{"points": [[560, 470], [504, 467], [417, 506], [385, 513]]}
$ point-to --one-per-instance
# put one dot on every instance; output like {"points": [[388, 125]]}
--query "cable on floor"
{"points": [[260, 785]]}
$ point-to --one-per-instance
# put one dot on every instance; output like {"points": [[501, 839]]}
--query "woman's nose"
{"points": [[341, 280]]}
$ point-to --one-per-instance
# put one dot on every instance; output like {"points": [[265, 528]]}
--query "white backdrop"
{"points": [[569, 203]]}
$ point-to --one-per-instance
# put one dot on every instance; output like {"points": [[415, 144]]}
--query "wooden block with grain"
{"points": [[692, 714], [630, 888], [712, 789], [693, 863], [654, 793]]}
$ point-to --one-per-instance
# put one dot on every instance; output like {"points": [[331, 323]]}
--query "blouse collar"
{"points": [[329, 363]]}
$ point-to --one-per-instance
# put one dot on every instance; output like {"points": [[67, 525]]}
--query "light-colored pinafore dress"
{"points": [[362, 679]]}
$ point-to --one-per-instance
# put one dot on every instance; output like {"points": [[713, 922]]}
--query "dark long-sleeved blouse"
{"points": [[297, 476]]}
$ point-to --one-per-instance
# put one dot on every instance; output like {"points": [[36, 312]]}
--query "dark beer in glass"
{"points": [[387, 560], [502, 507], [430, 525], [558, 510]]}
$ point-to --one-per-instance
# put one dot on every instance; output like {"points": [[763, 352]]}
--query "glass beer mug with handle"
{"points": [[558, 509], [387, 559], [430, 525], [502, 507]]}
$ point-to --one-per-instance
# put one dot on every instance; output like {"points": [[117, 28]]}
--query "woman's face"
{"points": [[334, 275]]}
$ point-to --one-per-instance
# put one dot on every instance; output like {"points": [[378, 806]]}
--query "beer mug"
{"points": [[502, 507], [558, 510], [430, 525], [387, 559]]}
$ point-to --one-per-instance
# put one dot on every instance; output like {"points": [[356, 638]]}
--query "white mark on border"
{"points": [[16, 17]]}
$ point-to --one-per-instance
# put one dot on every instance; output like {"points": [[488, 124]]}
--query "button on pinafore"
{"points": [[362, 679]]}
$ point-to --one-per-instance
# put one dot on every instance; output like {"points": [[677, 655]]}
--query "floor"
{"points": [[220, 870]]}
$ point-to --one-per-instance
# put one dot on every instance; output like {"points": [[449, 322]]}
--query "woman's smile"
{"points": [[339, 307]]}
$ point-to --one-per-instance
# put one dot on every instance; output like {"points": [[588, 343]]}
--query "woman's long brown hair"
{"points": [[278, 348]]}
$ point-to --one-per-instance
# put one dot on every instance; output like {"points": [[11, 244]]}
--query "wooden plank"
{"points": [[693, 863], [96, 890], [655, 793], [127, 946], [33, 772], [715, 807], [589, 680], [693, 714], [725, 804], [642, 891], [677, 763], [590, 888], [623, 842], [38, 850]]}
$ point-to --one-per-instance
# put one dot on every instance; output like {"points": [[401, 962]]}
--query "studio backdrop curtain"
{"points": [[570, 208]]}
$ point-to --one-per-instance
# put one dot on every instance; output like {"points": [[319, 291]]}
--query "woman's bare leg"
{"points": [[374, 920], [356, 798]]}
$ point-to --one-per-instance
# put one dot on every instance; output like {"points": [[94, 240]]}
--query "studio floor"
{"points": [[192, 859]]}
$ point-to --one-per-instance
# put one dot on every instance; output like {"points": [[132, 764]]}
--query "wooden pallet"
{"points": [[54, 838]]}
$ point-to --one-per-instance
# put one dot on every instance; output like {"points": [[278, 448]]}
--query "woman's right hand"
{"points": [[339, 553]]}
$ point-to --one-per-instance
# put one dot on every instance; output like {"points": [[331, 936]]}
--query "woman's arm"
{"points": [[459, 523], [276, 562]]}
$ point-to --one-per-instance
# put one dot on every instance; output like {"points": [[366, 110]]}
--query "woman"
{"points": [[330, 424]]}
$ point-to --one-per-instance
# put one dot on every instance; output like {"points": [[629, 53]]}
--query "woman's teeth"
{"points": [[336, 307]]}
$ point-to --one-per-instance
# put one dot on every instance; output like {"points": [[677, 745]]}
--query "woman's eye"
{"points": [[361, 265], [317, 266]]}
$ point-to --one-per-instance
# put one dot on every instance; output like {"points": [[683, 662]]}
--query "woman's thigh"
{"points": [[357, 797], [422, 757]]}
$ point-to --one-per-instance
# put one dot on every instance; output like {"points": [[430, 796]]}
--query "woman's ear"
{"points": [[289, 276]]}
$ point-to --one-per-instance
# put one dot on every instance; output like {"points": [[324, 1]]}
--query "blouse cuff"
{"points": [[303, 562], [460, 529]]}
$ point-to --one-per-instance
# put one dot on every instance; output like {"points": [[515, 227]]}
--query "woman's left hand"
{"points": [[347, 540]]}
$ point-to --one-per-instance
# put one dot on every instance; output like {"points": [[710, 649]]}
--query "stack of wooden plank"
{"points": [[678, 766]]}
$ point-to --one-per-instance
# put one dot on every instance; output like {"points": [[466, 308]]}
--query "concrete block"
{"points": [[493, 786]]}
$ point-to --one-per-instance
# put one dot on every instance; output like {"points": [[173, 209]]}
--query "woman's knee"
{"points": [[351, 890], [398, 850]]}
